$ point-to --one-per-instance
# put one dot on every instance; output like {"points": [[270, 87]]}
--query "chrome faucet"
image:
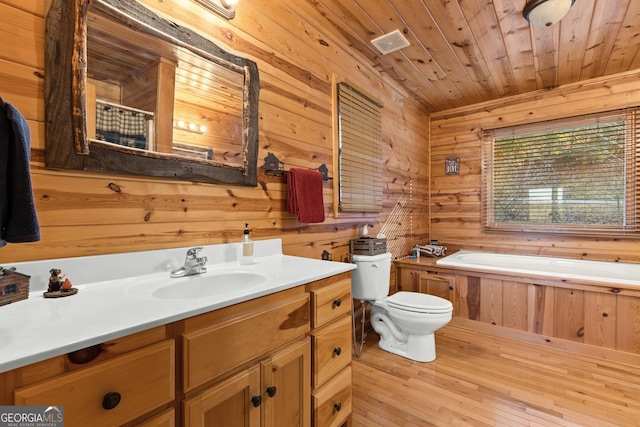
{"points": [[193, 264]]}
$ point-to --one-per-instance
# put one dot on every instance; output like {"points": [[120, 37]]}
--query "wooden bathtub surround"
{"points": [[264, 362], [483, 380], [579, 316]]}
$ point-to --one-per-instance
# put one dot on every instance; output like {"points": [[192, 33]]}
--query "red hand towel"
{"points": [[305, 195]]}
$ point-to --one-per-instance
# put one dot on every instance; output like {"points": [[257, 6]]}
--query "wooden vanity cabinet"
{"points": [[332, 346], [279, 360], [249, 364], [274, 392]]}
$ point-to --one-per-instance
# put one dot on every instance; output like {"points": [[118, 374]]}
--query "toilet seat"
{"points": [[419, 303]]}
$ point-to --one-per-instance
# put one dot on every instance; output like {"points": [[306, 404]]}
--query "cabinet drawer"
{"points": [[331, 350], [331, 301], [332, 402], [212, 351], [144, 380]]}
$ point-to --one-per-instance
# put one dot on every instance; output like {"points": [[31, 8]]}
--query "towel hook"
{"points": [[273, 166]]}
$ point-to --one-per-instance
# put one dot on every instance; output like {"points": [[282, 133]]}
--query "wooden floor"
{"points": [[482, 380]]}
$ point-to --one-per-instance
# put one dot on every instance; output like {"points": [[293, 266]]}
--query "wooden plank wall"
{"points": [[87, 214], [456, 199]]}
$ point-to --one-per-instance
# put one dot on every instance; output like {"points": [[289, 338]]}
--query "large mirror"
{"points": [[128, 91]]}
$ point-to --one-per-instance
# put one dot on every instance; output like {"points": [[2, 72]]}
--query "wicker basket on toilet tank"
{"points": [[367, 246]]}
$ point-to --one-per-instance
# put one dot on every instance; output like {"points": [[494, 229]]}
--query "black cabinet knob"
{"points": [[256, 401], [337, 302], [337, 351], [337, 407], [271, 390], [111, 400]]}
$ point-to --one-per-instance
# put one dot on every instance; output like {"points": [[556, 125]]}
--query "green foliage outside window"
{"points": [[561, 176]]}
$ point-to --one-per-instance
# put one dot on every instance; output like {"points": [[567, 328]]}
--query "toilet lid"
{"points": [[415, 301]]}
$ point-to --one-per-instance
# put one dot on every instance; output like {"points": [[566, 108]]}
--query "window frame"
{"points": [[631, 174], [365, 185]]}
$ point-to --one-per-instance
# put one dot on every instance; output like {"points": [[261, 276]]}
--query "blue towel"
{"points": [[18, 219]]}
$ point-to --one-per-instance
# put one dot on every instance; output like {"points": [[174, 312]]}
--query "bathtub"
{"points": [[617, 273]]}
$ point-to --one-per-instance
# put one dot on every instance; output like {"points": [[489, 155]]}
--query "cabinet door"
{"points": [[408, 279], [164, 419], [286, 387], [234, 402], [440, 285]]}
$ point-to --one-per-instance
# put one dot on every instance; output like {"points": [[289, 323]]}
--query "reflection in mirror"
{"points": [[127, 73], [152, 98]]}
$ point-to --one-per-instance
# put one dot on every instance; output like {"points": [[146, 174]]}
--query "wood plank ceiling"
{"points": [[468, 51]]}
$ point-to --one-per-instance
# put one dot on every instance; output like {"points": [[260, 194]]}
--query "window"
{"points": [[569, 175], [10, 289], [359, 151]]}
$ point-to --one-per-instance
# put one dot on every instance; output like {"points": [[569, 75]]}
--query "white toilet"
{"points": [[405, 321]]}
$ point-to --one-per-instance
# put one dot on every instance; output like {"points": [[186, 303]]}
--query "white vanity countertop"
{"points": [[115, 296]]}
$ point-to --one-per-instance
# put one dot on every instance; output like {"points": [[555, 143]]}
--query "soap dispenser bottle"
{"points": [[246, 251]]}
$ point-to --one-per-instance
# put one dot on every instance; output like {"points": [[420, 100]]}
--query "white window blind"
{"points": [[571, 175], [360, 151]]}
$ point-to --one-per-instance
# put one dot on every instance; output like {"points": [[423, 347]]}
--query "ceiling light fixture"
{"points": [[224, 8], [543, 13]]}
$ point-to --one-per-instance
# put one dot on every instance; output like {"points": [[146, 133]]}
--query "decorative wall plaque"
{"points": [[452, 166]]}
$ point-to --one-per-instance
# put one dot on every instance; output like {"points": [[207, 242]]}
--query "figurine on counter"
{"points": [[59, 285]]}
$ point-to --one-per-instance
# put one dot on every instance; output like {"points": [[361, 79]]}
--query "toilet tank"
{"points": [[370, 281]]}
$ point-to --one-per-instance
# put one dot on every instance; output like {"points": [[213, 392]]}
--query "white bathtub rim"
{"points": [[461, 260]]}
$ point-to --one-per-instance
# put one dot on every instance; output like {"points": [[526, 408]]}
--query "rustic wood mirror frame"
{"points": [[67, 145]]}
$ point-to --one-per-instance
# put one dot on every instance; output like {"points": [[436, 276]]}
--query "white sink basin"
{"points": [[207, 285]]}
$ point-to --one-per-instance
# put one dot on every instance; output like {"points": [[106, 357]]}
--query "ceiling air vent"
{"points": [[390, 42]]}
